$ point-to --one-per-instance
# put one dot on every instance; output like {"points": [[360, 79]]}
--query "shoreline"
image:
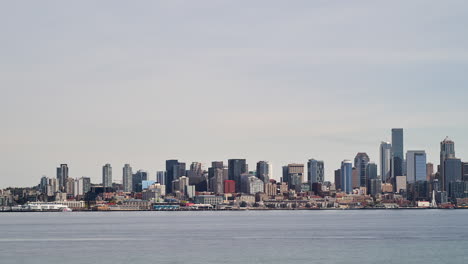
{"points": [[222, 210]]}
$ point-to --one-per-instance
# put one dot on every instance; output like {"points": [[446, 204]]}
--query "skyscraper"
{"points": [[373, 181], [237, 167], [315, 171], [195, 170], [263, 171], [161, 177], [62, 176], [107, 175], [127, 178], [294, 174], [173, 171], [338, 179], [465, 171], [385, 161], [371, 171], [346, 176], [360, 163], [397, 152], [416, 166], [447, 150], [429, 171], [137, 180], [452, 171]]}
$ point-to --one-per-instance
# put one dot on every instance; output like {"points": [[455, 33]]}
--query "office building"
{"points": [[161, 177], [137, 180], [416, 166], [375, 186], [254, 185], [293, 175], [397, 152], [315, 171], [465, 171], [174, 170], [400, 184], [355, 178], [360, 163], [385, 161], [452, 170], [107, 175], [429, 172], [237, 167], [338, 179], [447, 151], [346, 176], [229, 186], [195, 170], [62, 176], [263, 171], [458, 189]]}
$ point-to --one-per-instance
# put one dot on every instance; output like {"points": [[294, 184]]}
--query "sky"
{"points": [[94, 82]]}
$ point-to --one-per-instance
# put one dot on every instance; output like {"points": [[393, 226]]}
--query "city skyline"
{"points": [[152, 173], [141, 83]]}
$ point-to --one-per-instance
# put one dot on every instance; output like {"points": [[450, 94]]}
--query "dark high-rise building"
{"points": [[161, 177], [43, 184], [346, 176], [371, 174], [397, 152], [458, 189], [62, 177], [284, 175], [465, 171], [338, 179], [315, 171], [173, 172], [107, 175], [217, 175], [452, 171], [263, 171], [237, 167], [447, 151], [137, 180], [360, 163]]}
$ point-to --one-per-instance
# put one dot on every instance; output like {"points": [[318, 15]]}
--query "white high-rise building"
{"points": [[385, 161], [127, 178], [107, 175], [415, 166]]}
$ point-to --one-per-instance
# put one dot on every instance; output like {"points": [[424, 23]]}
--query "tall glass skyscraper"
{"points": [[263, 171], [416, 166], [236, 167], [397, 152], [447, 151], [161, 177], [385, 161], [360, 163], [346, 176], [315, 171], [62, 177]]}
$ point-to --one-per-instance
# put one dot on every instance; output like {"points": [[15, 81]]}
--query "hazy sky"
{"points": [[139, 82]]}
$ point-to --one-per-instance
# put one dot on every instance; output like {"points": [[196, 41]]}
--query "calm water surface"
{"points": [[366, 236]]}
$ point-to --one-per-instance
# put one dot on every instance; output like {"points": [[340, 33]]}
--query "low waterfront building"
{"points": [[209, 199]]}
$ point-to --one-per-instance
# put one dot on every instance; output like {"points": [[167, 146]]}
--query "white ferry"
{"points": [[50, 206]]}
